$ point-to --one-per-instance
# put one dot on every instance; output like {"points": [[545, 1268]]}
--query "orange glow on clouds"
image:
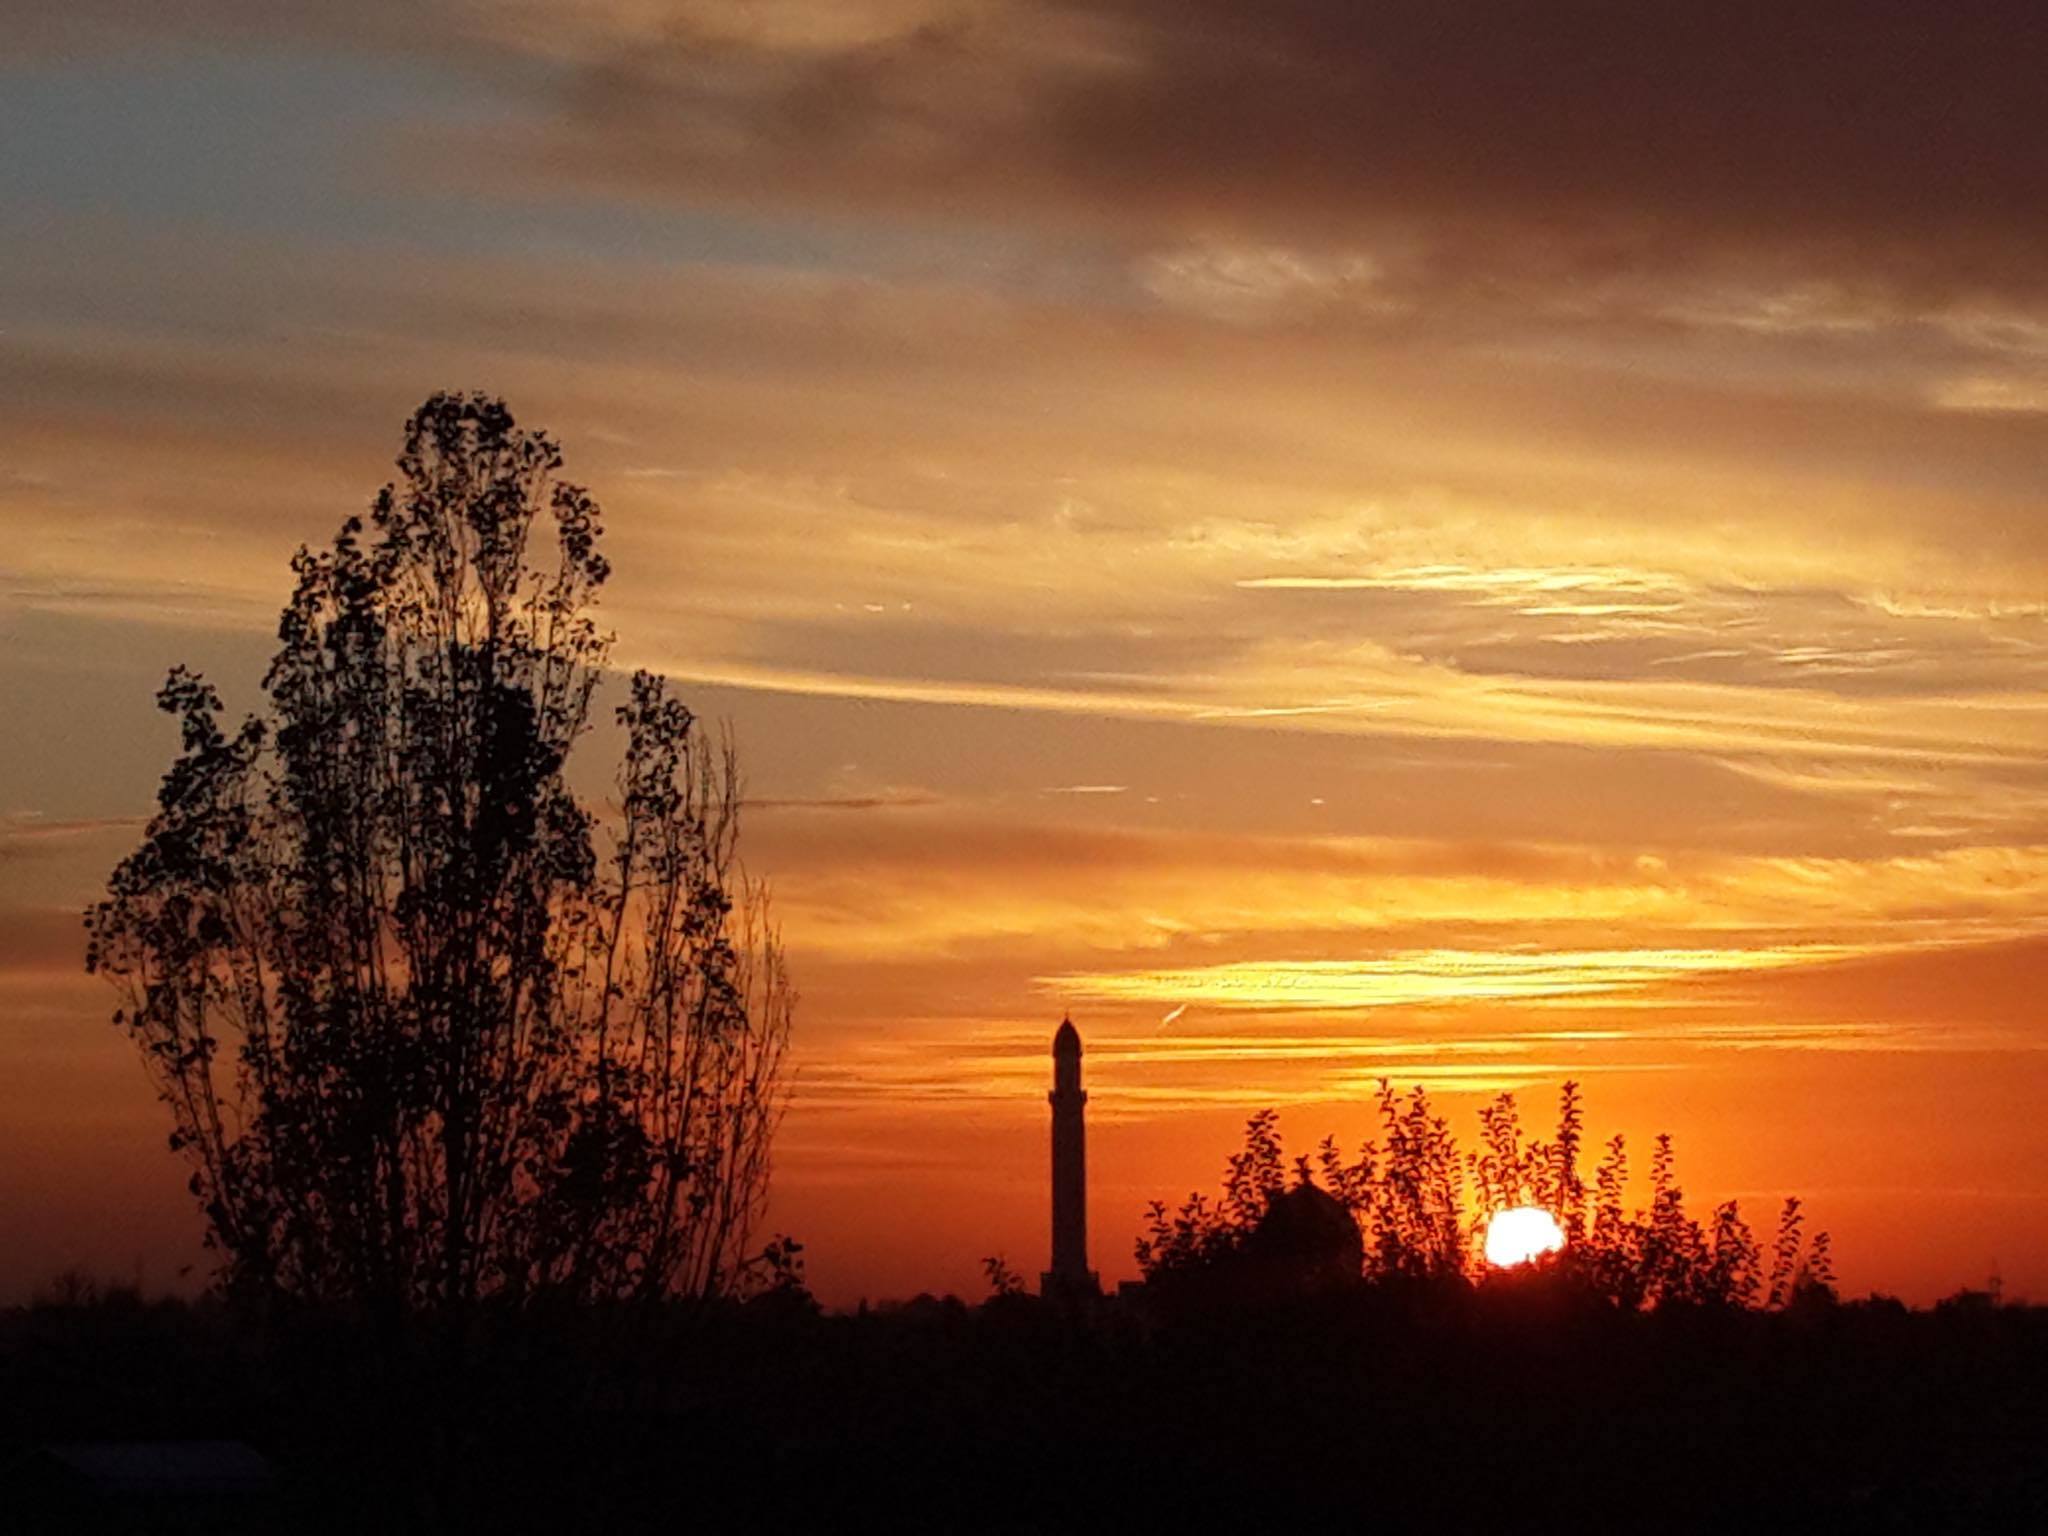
{"points": [[1416, 977]]}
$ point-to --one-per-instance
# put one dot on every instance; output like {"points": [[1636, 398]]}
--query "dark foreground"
{"points": [[1509, 1409]]}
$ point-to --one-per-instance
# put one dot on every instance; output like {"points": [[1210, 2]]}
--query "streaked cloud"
{"points": [[1410, 978]]}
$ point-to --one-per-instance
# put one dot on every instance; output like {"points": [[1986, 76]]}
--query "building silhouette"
{"points": [[1070, 1275]]}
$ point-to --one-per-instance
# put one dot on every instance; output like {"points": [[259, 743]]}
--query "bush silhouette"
{"points": [[1421, 1211]]}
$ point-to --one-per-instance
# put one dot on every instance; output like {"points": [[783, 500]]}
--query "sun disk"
{"points": [[1520, 1235]]}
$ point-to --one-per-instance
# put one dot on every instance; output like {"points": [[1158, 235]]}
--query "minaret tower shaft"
{"points": [[1069, 1274]]}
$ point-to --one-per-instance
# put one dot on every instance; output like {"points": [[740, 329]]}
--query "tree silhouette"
{"points": [[1407, 1194], [429, 1030]]}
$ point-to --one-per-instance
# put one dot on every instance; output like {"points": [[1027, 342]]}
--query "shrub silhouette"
{"points": [[1409, 1193]]}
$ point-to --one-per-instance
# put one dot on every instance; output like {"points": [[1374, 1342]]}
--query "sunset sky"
{"points": [[1469, 544]]}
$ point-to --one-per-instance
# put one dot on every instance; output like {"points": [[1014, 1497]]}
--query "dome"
{"points": [[1310, 1237], [1068, 1040]]}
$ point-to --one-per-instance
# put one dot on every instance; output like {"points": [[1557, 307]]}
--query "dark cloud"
{"points": [[27, 831], [41, 940], [1891, 146], [1900, 142], [890, 800]]}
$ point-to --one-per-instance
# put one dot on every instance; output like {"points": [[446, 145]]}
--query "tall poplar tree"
{"points": [[431, 1031]]}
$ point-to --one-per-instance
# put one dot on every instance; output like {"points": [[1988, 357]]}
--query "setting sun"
{"points": [[1520, 1235]]}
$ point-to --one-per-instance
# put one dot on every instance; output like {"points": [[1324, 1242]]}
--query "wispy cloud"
{"points": [[1417, 977], [891, 800]]}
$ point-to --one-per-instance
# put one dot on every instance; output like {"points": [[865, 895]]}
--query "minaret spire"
{"points": [[1069, 1275]]}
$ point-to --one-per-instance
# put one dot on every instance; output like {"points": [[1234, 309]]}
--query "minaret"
{"points": [[1069, 1275]]}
